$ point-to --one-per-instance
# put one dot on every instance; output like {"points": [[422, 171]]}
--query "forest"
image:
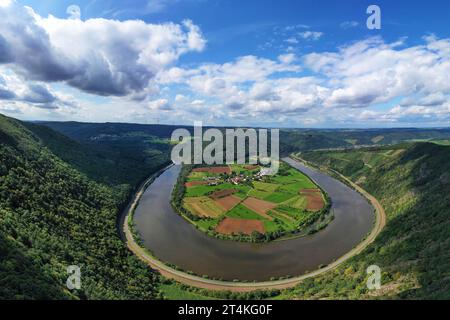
{"points": [[411, 181], [54, 214]]}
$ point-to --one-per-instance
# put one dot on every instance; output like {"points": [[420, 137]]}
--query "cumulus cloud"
{"points": [[292, 40], [311, 35], [5, 92], [74, 12], [40, 95], [98, 56], [160, 104], [360, 75], [223, 80], [371, 71]]}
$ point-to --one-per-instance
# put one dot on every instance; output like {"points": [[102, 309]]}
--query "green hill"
{"points": [[412, 182], [59, 203]]}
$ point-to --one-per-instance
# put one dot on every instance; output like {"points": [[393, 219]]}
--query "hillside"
{"points": [[114, 140], [54, 212], [412, 182], [112, 153]]}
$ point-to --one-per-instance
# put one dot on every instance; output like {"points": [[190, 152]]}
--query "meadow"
{"points": [[246, 205]]}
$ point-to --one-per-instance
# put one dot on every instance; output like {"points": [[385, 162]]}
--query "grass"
{"points": [[202, 190], [198, 191], [290, 211], [442, 142], [297, 202], [263, 186], [196, 176], [207, 224], [301, 216], [240, 169], [241, 194], [242, 212], [279, 197], [207, 206], [271, 226], [294, 188], [260, 194], [287, 224], [175, 292]]}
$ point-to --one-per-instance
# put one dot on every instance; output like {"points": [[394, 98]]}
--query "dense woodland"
{"points": [[412, 182], [53, 215]]}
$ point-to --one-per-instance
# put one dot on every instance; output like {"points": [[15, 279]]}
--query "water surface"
{"points": [[172, 239]]}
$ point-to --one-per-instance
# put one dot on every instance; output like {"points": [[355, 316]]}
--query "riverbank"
{"points": [[380, 213], [209, 284]]}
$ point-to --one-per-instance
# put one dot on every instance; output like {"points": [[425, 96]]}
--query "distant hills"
{"points": [[291, 140]]}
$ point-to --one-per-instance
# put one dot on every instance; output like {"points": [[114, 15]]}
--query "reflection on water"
{"points": [[174, 240]]}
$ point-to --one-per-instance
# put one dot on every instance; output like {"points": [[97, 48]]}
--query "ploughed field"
{"points": [[239, 200]]}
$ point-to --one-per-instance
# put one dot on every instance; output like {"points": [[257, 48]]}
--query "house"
{"points": [[236, 180], [265, 172]]}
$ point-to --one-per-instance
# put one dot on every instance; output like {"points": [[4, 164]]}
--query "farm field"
{"points": [[239, 201], [204, 207]]}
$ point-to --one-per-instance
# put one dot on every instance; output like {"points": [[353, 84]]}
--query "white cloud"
{"points": [[287, 58], [311, 35], [160, 104], [5, 3], [99, 56], [180, 98], [223, 80], [360, 75], [74, 12], [370, 72], [291, 40]]}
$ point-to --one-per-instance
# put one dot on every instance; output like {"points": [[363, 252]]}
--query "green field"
{"points": [[279, 197], [280, 191], [297, 202], [196, 176], [203, 190], [207, 206], [175, 291], [442, 142], [242, 212]]}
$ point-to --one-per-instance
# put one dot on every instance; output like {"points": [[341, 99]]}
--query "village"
{"points": [[236, 178]]}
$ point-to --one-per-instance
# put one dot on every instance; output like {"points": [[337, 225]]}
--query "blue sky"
{"points": [[274, 63], [235, 28]]}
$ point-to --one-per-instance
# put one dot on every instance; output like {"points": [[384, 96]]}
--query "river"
{"points": [[172, 239]]}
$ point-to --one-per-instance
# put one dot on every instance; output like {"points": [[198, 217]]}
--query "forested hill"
{"points": [[412, 182], [112, 139], [58, 206]]}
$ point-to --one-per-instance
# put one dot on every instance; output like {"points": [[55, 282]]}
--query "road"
{"points": [[209, 284]]}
